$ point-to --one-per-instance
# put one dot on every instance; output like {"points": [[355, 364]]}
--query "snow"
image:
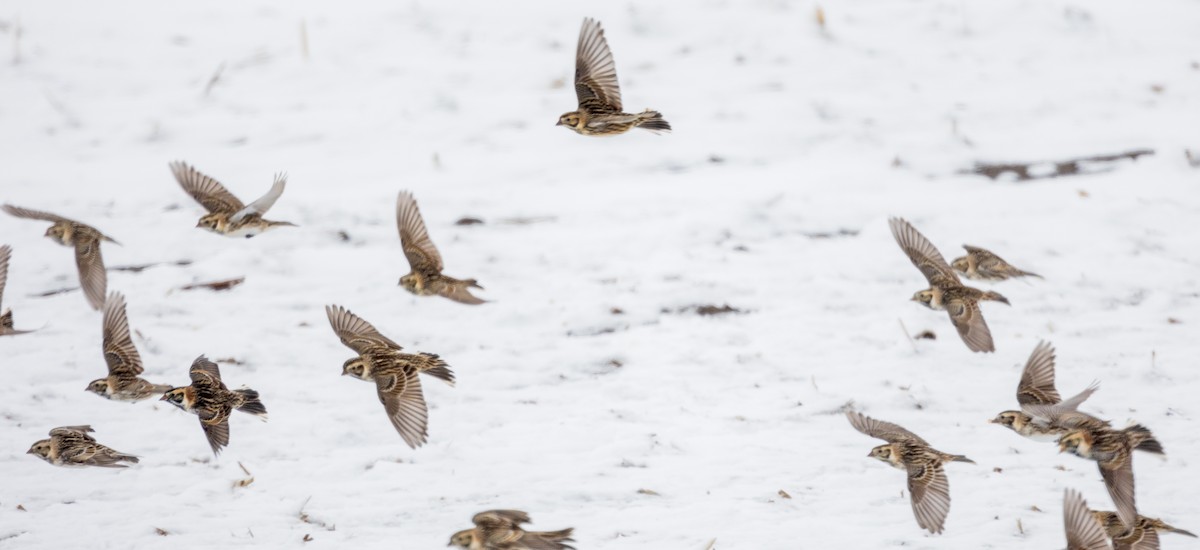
{"points": [[783, 130]]}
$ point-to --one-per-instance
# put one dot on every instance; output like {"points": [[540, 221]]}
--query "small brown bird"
{"points": [[394, 373], [501, 530], [1083, 533], [124, 363], [982, 265], [86, 240], [208, 398], [226, 214], [6, 318], [1036, 393], [945, 291], [599, 95], [71, 446], [927, 483], [425, 263], [1113, 452], [1114, 528]]}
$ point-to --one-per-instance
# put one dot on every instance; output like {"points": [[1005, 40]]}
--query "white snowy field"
{"points": [[654, 428]]}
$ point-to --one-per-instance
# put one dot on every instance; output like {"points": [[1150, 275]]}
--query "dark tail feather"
{"points": [[557, 538], [1179, 531], [653, 121], [1031, 274], [473, 284], [995, 297], [961, 458], [434, 366], [160, 388], [252, 405], [6, 320], [281, 224], [1143, 440]]}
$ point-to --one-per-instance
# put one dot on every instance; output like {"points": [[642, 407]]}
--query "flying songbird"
{"points": [[501, 530], [6, 316], [208, 398], [1115, 529], [945, 291], [226, 214], [425, 263], [394, 373], [1113, 452], [600, 112], [123, 382], [86, 241], [981, 265], [1044, 416], [71, 446], [927, 484]]}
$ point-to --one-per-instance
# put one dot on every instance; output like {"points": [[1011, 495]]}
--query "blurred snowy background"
{"points": [[591, 394]]}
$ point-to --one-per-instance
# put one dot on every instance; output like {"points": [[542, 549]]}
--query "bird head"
{"points": [[58, 233], [209, 222], [177, 397], [41, 449], [882, 452], [412, 283], [462, 539], [356, 367], [570, 119], [99, 387], [924, 297], [1009, 419], [1077, 443]]}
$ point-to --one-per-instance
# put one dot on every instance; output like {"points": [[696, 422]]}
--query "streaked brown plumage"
{"points": [[208, 398], [927, 483], [501, 530], [1113, 452], [945, 291], [380, 360], [600, 111], [1052, 417], [6, 316], [226, 214], [72, 446], [86, 241], [1083, 533], [1114, 528], [425, 276], [124, 363], [981, 265]]}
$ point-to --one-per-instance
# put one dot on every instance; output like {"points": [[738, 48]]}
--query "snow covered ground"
{"points": [[652, 428]]}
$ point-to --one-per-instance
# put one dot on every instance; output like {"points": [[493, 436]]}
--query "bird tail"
{"points": [[252, 405], [473, 284], [557, 538], [281, 224], [1143, 440], [959, 458], [114, 460], [160, 389], [1028, 274], [994, 296], [6, 320], [434, 366], [1178, 531], [653, 121]]}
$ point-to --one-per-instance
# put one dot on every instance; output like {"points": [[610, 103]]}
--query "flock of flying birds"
{"points": [[1043, 414]]}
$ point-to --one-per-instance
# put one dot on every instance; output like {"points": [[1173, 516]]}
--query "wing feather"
{"points": [[422, 255], [923, 254], [596, 84], [265, 202], [1083, 531], [930, 492], [886, 431], [119, 352], [205, 190], [355, 333], [968, 319], [404, 402], [1037, 380]]}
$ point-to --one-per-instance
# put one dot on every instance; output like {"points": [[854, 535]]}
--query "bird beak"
{"points": [[913, 299], [559, 123], [868, 455], [992, 421], [29, 452], [163, 398]]}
